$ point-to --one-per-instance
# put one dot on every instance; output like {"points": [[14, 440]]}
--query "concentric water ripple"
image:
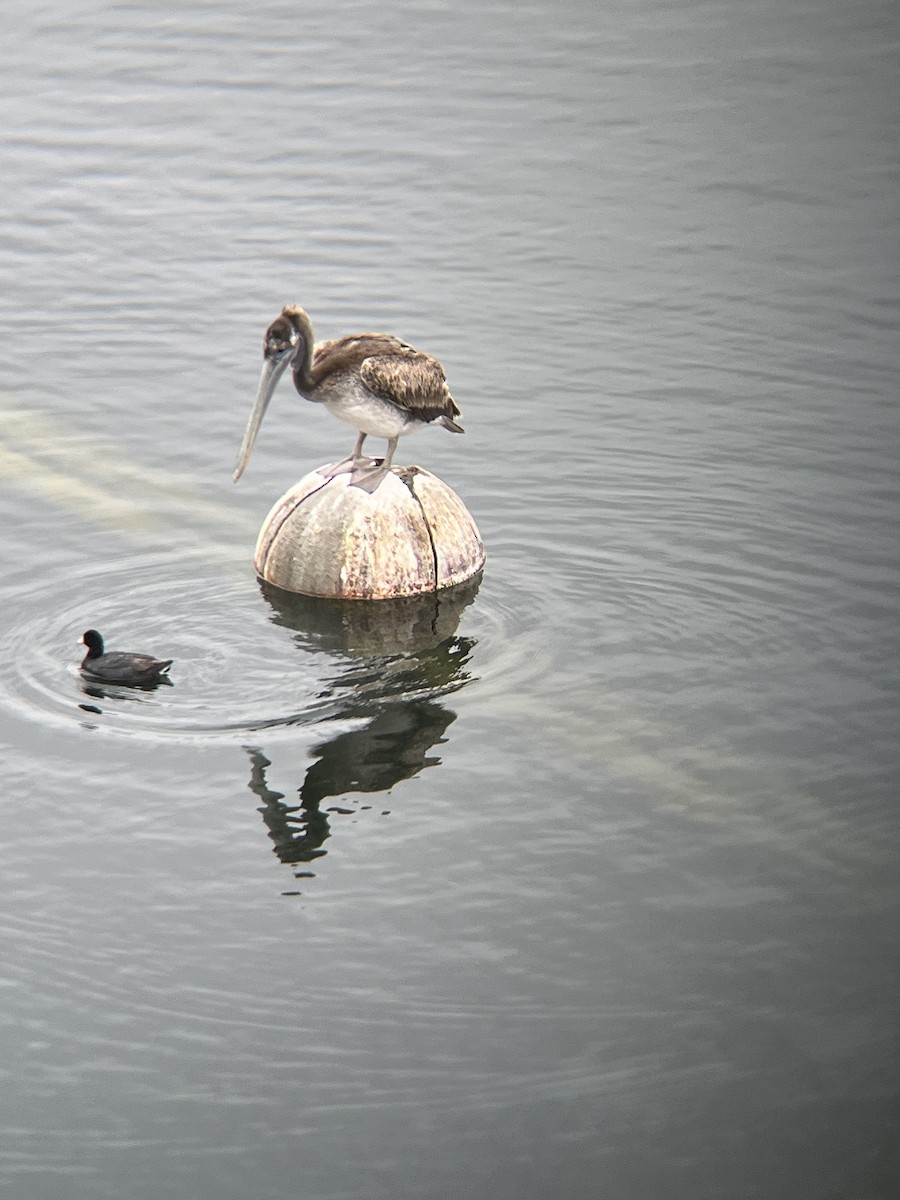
{"points": [[248, 657], [233, 670]]}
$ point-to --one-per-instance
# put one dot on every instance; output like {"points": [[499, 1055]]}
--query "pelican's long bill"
{"points": [[272, 370]]}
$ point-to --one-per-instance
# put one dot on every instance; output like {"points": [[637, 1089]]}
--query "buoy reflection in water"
{"points": [[400, 656]]}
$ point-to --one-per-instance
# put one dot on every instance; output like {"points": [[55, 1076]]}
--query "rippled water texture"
{"points": [[579, 881]]}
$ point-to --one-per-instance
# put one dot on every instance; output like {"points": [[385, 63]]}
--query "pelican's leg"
{"points": [[369, 476], [353, 461]]}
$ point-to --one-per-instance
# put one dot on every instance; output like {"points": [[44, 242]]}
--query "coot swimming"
{"points": [[119, 666]]}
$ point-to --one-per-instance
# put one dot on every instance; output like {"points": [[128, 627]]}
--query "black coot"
{"points": [[119, 666]]}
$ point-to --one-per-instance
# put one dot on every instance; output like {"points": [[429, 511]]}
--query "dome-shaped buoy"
{"points": [[327, 537]]}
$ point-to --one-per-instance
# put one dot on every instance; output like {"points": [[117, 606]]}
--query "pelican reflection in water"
{"points": [[393, 746], [397, 660]]}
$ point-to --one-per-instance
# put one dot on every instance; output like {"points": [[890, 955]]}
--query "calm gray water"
{"points": [[591, 892]]}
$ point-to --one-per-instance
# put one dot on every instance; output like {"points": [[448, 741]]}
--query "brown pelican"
{"points": [[119, 666], [373, 381]]}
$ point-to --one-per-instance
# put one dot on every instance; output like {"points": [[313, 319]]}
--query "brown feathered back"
{"points": [[389, 368]]}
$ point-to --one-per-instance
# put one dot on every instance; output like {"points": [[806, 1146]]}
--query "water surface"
{"points": [[584, 885]]}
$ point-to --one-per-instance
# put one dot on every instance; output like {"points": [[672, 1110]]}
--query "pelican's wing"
{"points": [[410, 379]]}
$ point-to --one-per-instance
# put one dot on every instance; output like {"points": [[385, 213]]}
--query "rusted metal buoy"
{"points": [[326, 537]]}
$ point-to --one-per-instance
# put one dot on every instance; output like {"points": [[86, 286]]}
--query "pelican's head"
{"points": [[286, 333], [288, 339]]}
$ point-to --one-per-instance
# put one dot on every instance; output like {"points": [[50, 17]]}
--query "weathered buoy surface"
{"points": [[411, 535]]}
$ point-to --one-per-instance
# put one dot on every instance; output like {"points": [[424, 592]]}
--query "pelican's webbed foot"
{"points": [[368, 474]]}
